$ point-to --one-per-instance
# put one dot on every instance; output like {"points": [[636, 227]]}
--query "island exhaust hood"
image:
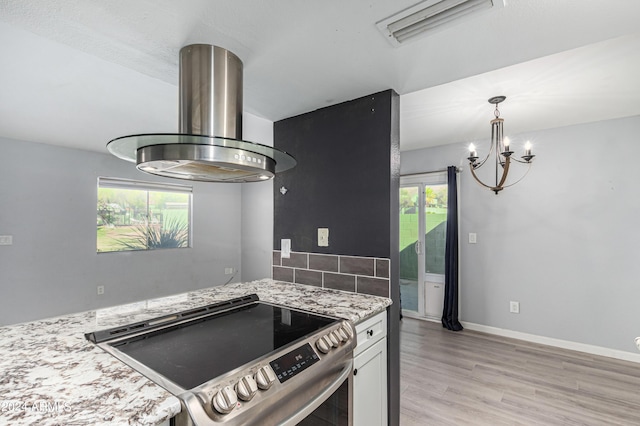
{"points": [[209, 146]]}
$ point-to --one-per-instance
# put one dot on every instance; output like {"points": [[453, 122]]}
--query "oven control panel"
{"points": [[294, 362], [255, 383]]}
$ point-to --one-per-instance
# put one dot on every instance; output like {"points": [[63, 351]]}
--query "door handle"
{"points": [[418, 247]]}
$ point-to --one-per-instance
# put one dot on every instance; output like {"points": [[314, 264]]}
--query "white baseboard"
{"points": [[564, 344]]}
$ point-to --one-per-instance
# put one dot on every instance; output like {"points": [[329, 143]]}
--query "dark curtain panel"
{"points": [[450, 311]]}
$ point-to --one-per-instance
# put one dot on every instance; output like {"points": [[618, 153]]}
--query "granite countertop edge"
{"points": [[51, 375]]}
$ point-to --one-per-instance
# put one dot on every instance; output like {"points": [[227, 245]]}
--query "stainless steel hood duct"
{"points": [[209, 146]]}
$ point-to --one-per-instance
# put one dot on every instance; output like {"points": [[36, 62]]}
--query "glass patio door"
{"points": [[423, 215]]}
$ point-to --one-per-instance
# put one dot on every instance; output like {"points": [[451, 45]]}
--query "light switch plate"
{"points": [[472, 238], [323, 237], [285, 248]]}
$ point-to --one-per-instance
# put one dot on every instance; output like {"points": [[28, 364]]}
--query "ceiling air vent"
{"points": [[429, 16]]}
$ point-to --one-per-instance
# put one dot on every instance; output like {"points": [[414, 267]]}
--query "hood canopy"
{"points": [[209, 146]]}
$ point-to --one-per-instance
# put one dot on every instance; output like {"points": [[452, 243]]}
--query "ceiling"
{"points": [[78, 73]]}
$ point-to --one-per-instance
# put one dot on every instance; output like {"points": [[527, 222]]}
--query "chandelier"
{"points": [[500, 148]]}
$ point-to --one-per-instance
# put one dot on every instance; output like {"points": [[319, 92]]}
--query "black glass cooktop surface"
{"points": [[195, 352]]}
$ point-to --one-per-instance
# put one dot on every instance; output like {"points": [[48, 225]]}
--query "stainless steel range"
{"points": [[244, 362]]}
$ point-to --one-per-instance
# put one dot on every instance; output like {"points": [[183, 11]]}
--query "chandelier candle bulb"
{"points": [[472, 151], [505, 143], [527, 148]]}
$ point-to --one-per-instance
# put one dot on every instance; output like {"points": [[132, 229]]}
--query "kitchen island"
{"points": [[51, 375]]}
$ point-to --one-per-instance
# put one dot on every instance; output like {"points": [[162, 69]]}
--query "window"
{"points": [[136, 215]]}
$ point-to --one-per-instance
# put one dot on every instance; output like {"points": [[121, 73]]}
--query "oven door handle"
{"points": [[321, 397]]}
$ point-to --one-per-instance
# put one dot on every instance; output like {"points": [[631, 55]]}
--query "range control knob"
{"points": [[335, 339], [246, 388], [225, 400], [342, 334], [346, 330], [323, 344], [265, 377]]}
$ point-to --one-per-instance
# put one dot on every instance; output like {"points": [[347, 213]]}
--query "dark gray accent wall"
{"points": [[347, 180], [341, 181]]}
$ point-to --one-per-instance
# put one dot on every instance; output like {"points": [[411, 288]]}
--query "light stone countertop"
{"points": [[51, 375]]}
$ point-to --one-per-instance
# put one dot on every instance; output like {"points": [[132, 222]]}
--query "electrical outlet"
{"points": [[514, 307], [100, 290], [638, 343], [228, 271], [6, 240]]}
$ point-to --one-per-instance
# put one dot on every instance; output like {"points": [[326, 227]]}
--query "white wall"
{"points": [[257, 209], [48, 204], [563, 242]]}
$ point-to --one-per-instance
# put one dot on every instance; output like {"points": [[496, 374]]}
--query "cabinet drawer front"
{"points": [[370, 331]]}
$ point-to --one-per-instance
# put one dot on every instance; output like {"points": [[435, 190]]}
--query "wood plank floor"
{"points": [[473, 378]]}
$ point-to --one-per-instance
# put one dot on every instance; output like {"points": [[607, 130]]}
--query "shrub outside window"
{"points": [[134, 215]]}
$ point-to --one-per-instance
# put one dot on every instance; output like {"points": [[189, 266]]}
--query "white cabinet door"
{"points": [[370, 386]]}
